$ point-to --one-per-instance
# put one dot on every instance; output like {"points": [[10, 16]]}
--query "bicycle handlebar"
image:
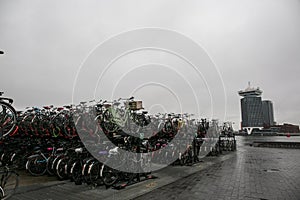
{"points": [[126, 99], [7, 99]]}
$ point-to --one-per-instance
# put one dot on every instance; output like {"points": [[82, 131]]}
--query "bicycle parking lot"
{"points": [[65, 189], [64, 142], [244, 174]]}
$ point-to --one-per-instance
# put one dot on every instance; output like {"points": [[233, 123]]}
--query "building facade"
{"points": [[268, 113], [255, 112], [252, 115]]}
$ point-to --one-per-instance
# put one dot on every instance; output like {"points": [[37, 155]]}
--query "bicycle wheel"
{"points": [[108, 123], [94, 173], [76, 172], [109, 176], [85, 169], [168, 127], [54, 163], [37, 166], [69, 166], [49, 168], [60, 169], [181, 159], [9, 183], [1, 193], [8, 119]]}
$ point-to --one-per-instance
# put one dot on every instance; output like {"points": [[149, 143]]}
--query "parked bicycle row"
{"points": [[66, 158], [61, 141]]}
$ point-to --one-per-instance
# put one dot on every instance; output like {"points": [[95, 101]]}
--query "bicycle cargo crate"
{"points": [[135, 105]]}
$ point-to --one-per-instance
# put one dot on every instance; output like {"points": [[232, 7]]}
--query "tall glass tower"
{"points": [[268, 113], [252, 107]]}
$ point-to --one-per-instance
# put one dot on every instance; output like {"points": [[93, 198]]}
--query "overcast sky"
{"points": [[46, 43]]}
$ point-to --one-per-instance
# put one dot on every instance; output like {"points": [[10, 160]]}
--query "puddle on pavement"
{"points": [[271, 170]]}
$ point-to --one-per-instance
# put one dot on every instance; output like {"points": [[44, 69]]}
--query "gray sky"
{"points": [[45, 43]]}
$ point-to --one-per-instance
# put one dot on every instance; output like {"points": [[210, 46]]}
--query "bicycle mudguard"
{"points": [[86, 164], [101, 171], [14, 132], [12, 157], [33, 156], [91, 165], [1, 192]]}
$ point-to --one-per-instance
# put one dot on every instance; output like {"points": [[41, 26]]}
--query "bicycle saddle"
{"points": [[60, 108], [99, 105], [79, 150], [36, 148], [117, 136], [47, 107], [117, 103], [49, 148], [107, 105], [68, 107]]}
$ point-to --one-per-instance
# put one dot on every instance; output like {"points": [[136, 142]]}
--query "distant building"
{"points": [[287, 128], [251, 106], [268, 113], [256, 113]]}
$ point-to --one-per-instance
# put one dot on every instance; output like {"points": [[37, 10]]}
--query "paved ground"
{"points": [[254, 173], [250, 173]]}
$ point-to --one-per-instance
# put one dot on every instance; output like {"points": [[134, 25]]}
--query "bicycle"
{"points": [[125, 117], [111, 176], [9, 183], [36, 164], [135, 165], [8, 116]]}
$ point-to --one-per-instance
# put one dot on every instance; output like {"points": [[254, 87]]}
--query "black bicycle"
{"points": [[8, 116], [9, 182]]}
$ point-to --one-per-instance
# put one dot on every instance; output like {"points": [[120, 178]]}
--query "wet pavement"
{"points": [[250, 173], [253, 173]]}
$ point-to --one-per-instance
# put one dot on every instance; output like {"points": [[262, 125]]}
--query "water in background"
{"points": [[245, 140]]}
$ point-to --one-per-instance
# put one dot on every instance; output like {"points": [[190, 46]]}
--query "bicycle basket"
{"points": [[134, 105]]}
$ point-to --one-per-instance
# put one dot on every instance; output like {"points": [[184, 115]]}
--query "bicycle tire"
{"points": [[109, 176], [49, 168], [14, 118], [168, 127], [10, 184], [36, 166], [108, 123], [60, 169], [1, 193], [85, 169], [69, 168], [94, 173], [76, 172], [129, 177]]}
